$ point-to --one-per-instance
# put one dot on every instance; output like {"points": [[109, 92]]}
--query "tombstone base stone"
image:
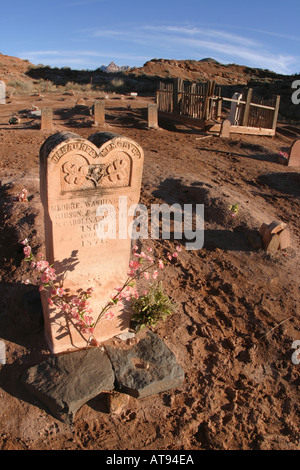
{"points": [[65, 383], [148, 368]]}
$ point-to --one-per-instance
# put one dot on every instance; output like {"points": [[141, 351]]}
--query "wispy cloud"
{"points": [[205, 32], [271, 33]]}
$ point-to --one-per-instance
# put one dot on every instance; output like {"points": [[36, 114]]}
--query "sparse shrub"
{"points": [[151, 307], [19, 87], [117, 82]]}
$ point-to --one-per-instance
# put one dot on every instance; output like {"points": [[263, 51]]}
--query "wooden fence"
{"points": [[192, 100], [202, 102]]}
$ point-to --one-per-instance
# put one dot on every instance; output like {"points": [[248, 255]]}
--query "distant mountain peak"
{"points": [[112, 67]]}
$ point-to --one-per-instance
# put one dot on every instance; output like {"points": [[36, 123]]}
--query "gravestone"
{"points": [[99, 112], [234, 113], [152, 116], [294, 156], [83, 184], [46, 118], [2, 352], [80, 102], [225, 128], [2, 92]]}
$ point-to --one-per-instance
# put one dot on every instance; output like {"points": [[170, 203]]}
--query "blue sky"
{"points": [[85, 34]]}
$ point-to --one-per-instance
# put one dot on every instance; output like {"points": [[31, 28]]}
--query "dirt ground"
{"points": [[238, 307]]}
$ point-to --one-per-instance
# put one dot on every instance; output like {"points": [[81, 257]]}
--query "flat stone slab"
{"points": [[65, 383], [148, 368]]}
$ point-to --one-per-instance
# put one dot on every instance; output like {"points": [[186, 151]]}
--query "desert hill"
{"points": [[203, 70]]}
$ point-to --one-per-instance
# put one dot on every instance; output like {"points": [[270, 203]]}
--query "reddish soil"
{"points": [[241, 388]]}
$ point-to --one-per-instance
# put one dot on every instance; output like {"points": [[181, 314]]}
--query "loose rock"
{"points": [[64, 383]]}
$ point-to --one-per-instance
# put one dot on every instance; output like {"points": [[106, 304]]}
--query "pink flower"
{"points": [[110, 315], [24, 242], [74, 313], [146, 275], [145, 292], [27, 281], [135, 294], [134, 265], [60, 292], [149, 249], [178, 248], [41, 265], [45, 278], [50, 302], [88, 320], [169, 256], [22, 197], [155, 274], [175, 255], [65, 307], [89, 330], [135, 248], [161, 264], [27, 251], [75, 301]]}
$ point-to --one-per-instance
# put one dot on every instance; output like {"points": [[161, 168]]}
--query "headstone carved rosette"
{"points": [[77, 177]]}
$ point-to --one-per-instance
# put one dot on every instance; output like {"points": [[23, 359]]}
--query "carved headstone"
{"points": [[2, 92], [294, 156], [83, 183]]}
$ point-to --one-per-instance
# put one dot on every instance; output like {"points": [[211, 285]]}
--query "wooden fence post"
{"points": [[276, 111], [247, 107], [157, 97], [177, 90], [219, 108]]}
